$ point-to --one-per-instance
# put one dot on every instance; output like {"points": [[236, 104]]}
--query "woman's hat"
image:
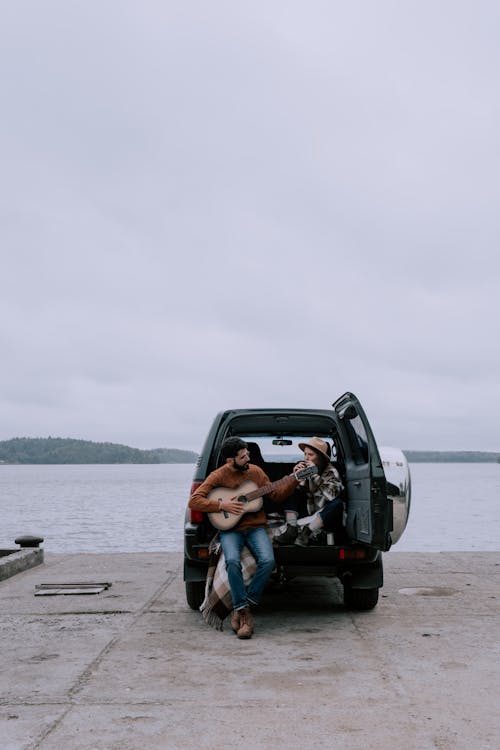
{"points": [[321, 446]]}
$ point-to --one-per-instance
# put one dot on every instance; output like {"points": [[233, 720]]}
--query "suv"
{"points": [[376, 495]]}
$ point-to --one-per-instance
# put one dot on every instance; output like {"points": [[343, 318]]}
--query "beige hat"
{"points": [[321, 446]]}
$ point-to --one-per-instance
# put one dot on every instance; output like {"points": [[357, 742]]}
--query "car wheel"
{"points": [[360, 599], [195, 593]]}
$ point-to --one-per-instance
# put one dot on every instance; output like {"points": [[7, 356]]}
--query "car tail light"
{"points": [[195, 516], [356, 553]]}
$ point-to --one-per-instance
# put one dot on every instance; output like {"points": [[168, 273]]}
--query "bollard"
{"points": [[28, 541]]}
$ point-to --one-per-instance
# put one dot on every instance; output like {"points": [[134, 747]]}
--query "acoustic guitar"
{"points": [[250, 495]]}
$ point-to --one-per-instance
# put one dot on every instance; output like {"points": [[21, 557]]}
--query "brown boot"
{"points": [[235, 620], [246, 623]]}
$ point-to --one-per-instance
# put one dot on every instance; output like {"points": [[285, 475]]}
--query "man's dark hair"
{"points": [[231, 447]]}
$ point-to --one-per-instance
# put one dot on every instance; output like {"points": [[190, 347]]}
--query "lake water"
{"points": [[132, 507]]}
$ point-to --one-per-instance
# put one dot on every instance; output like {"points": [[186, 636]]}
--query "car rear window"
{"points": [[278, 450]]}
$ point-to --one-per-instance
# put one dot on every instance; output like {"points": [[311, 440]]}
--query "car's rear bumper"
{"points": [[362, 564]]}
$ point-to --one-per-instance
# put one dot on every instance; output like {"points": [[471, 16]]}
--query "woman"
{"points": [[321, 494]]}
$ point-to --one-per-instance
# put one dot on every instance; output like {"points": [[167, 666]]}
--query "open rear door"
{"points": [[369, 510]]}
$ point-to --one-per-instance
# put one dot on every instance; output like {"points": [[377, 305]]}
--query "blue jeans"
{"points": [[259, 544]]}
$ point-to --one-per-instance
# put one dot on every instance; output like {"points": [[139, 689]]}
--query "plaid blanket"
{"points": [[218, 603]]}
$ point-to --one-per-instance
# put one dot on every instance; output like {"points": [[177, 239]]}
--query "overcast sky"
{"points": [[208, 205]]}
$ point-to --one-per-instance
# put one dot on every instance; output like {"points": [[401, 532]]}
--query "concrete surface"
{"points": [[13, 561], [133, 668]]}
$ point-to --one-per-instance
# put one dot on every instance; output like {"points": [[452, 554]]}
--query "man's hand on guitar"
{"points": [[232, 505]]}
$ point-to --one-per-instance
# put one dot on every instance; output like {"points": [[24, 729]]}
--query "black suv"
{"points": [[376, 495]]}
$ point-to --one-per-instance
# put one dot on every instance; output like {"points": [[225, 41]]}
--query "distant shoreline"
{"points": [[49, 451], [452, 457]]}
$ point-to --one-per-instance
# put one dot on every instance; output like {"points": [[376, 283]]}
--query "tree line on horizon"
{"points": [[71, 451], [462, 457]]}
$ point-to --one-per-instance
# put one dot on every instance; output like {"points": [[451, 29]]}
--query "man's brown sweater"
{"points": [[229, 477]]}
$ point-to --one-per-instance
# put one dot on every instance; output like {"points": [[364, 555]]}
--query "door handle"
{"points": [[357, 484]]}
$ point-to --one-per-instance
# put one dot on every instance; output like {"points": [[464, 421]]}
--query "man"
{"points": [[250, 530]]}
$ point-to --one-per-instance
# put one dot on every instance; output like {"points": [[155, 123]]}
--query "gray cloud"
{"points": [[227, 205]]}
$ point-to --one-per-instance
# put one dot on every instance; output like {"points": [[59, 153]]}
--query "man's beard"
{"points": [[241, 468]]}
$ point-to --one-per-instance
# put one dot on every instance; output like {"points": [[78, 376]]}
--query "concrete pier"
{"points": [[133, 668], [13, 561]]}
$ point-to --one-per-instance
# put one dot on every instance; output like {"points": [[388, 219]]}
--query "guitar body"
{"points": [[223, 520]]}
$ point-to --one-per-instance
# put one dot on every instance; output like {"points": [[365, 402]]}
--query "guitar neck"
{"points": [[260, 491]]}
